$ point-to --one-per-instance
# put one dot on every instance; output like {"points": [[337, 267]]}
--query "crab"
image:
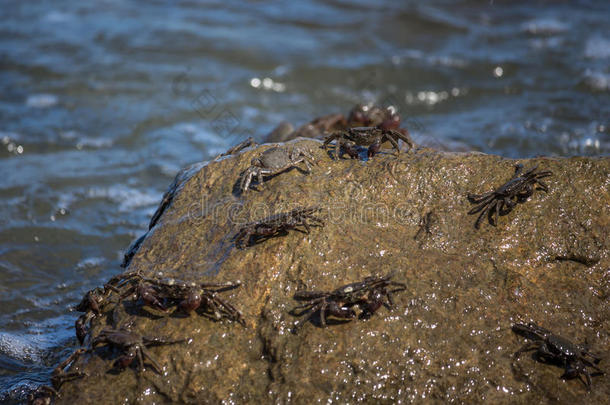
{"points": [[45, 394], [60, 376], [92, 305], [372, 137], [364, 115], [368, 295], [277, 224], [502, 200], [188, 296], [131, 345], [550, 347], [275, 161]]}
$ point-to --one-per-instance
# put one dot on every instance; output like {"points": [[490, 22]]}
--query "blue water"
{"points": [[101, 103]]}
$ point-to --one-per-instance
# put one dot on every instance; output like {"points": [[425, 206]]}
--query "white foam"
{"points": [[597, 48], [17, 347], [95, 143], [41, 100], [127, 198], [597, 80], [544, 26], [90, 262], [57, 17]]}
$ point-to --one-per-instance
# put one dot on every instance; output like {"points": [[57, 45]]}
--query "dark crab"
{"points": [[60, 375], [549, 347], [44, 394], [131, 345], [188, 296], [275, 161], [372, 137], [278, 224], [92, 304], [502, 200], [367, 295], [363, 115]]}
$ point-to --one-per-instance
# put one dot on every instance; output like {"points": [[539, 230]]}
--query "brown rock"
{"points": [[448, 339]]}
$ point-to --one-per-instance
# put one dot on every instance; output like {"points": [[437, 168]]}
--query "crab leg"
{"points": [[307, 316], [393, 142], [323, 307], [480, 218], [143, 352], [527, 348]]}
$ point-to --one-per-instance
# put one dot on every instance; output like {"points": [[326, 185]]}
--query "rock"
{"points": [[317, 128], [448, 338]]}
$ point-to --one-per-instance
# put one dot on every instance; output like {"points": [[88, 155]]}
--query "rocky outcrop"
{"points": [[448, 337]]}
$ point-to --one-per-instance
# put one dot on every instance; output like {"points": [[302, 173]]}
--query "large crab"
{"points": [[502, 200], [189, 296], [277, 224], [131, 345], [372, 137], [549, 347], [275, 161], [368, 295]]}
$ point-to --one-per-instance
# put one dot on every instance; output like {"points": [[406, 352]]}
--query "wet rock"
{"points": [[448, 337]]}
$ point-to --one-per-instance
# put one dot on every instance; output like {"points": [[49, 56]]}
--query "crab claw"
{"points": [[191, 302], [148, 295]]}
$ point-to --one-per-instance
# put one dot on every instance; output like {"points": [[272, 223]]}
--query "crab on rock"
{"points": [[502, 200], [556, 349], [131, 345], [368, 295], [93, 304], [275, 161], [277, 224], [372, 137], [188, 296]]}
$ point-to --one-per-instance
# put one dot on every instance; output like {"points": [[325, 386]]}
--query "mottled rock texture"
{"points": [[449, 337]]}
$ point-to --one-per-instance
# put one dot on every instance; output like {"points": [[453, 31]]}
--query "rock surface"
{"points": [[448, 338]]}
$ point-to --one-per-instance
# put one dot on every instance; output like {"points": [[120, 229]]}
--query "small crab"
{"points": [[502, 200], [131, 345], [188, 296], [60, 376], [275, 161], [92, 305], [372, 137], [45, 394], [551, 347], [367, 294], [277, 224]]}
